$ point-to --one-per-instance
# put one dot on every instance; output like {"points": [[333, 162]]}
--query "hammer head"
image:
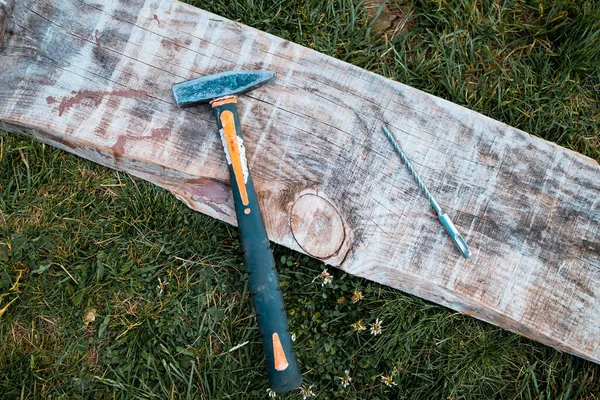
{"points": [[207, 88]]}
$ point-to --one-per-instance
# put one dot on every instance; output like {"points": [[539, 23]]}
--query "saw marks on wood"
{"points": [[94, 78]]}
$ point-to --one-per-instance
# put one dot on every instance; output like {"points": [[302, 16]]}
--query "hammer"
{"points": [[220, 91]]}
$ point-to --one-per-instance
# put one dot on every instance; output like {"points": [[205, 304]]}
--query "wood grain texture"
{"points": [[93, 78]]}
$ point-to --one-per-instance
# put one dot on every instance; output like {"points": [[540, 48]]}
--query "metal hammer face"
{"points": [[207, 88]]}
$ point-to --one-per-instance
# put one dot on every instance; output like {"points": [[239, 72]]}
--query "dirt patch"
{"points": [[392, 20], [92, 356]]}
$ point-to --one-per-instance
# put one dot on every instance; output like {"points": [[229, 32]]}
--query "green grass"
{"points": [[79, 241]]}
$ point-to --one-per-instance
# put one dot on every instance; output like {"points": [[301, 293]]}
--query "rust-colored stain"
{"points": [[160, 133], [155, 17], [97, 37], [66, 143], [118, 148], [168, 43], [94, 97], [102, 127], [62, 141]]}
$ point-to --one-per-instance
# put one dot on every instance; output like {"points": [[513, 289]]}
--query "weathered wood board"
{"points": [[94, 77]]}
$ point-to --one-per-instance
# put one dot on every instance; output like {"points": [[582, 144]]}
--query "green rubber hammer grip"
{"points": [[282, 366]]}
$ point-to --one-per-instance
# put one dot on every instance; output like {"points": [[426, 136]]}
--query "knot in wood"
{"points": [[317, 226]]}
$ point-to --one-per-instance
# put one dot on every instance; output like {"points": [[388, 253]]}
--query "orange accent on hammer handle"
{"points": [[237, 155], [281, 362]]}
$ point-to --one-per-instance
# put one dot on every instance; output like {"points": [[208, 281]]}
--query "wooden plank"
{"points": [[93, 78]]}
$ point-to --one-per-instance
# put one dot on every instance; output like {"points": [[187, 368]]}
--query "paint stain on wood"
{"points": [[169, 43], [66, 143], [217, 191], [93, 98], [118, 149], [160, 133], [62, 140]]}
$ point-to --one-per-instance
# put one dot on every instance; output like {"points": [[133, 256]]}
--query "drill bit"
{"points": [[458, 240]]}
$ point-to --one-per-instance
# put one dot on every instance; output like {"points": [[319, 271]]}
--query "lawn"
{"points": [[111, 288]]}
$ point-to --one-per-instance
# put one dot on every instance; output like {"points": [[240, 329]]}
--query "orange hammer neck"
{"points": [[223, 100]]}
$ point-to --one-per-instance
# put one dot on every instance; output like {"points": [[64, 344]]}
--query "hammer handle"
{"points": [[282, 366]]}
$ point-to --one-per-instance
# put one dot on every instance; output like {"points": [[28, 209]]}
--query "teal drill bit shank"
{"points": [[458, 240]]}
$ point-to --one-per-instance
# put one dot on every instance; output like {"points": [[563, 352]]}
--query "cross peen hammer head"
{"points": [[207, 88]]}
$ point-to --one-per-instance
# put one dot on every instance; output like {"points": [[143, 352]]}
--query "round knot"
{"points": [[317, 226]]}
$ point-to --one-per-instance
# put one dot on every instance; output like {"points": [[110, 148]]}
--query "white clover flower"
{"points": [[306, 392], [345, 379], [376, 327], [388, 380], [271, 393], [359, 326], [357, 296], [161, 286], [325, 276]]}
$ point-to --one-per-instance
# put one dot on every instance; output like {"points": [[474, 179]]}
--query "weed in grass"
{"points": [[111, 288]]}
